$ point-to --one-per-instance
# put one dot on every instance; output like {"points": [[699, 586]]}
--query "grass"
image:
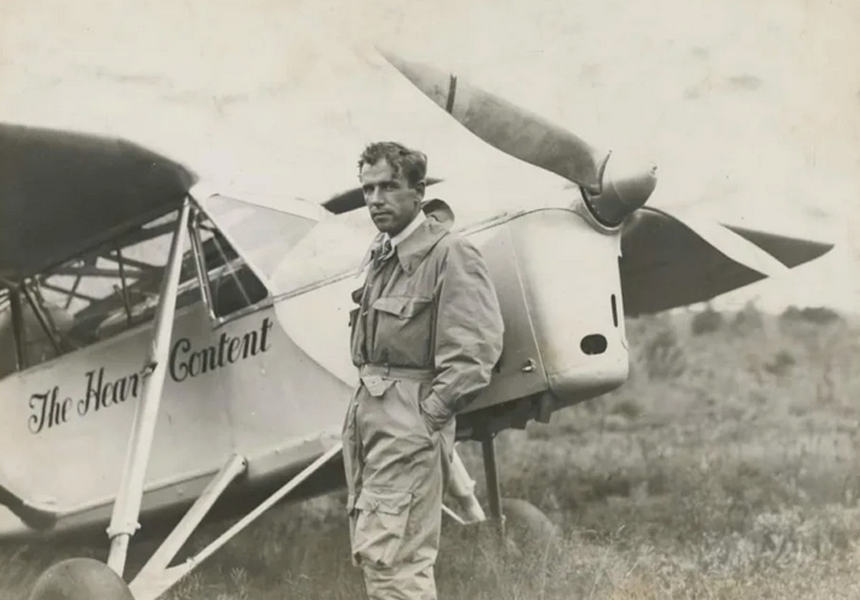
{"points": [[726, 468]]}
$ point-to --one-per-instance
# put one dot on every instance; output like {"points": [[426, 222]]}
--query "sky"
{"points": [[751, 110]]}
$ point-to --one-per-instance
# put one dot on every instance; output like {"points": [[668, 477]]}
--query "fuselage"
{"points": [[273, 383]]}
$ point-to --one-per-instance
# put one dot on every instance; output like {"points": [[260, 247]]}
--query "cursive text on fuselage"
{"points": [[50, 408]]}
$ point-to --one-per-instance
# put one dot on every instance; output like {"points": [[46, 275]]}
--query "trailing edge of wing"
{"points": [[62, 193], [668, 261]]}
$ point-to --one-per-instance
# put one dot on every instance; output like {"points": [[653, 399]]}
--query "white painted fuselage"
{"points": [[273, 385]]}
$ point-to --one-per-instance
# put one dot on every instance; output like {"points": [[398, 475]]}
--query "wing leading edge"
{"points": [[666, 264], [62, 193]]}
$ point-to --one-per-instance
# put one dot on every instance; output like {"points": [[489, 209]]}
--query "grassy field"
{"points": [[728, 467]]}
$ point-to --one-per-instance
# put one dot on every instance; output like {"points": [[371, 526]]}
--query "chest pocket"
{"points": [[404, 330]]}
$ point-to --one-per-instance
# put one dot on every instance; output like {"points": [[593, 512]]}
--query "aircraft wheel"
{"points": [[527, 528], [80, 579]]}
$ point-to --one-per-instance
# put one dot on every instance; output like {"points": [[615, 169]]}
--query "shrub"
{"points": [[819, 315], [662, 355], [780, 364], [707, 321], [747, 320]]}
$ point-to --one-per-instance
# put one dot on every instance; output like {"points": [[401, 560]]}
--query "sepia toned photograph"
{"points": [[492, 300]]}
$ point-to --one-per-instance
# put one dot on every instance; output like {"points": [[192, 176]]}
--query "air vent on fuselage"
{"points": [[593, 344], [614, 311]]}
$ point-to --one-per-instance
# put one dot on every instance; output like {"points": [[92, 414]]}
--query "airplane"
{"points": [[170, 349]]}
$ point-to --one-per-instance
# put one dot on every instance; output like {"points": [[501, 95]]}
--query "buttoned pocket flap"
{"points": [[404, 307], [380, 523]]}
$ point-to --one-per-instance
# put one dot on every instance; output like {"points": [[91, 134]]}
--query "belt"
{"points": [[388, 372]]}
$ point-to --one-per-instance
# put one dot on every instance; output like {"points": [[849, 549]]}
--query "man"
{"points": [[425, 337]]}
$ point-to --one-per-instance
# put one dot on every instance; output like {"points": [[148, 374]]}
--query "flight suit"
{"points": [[425, 337]]}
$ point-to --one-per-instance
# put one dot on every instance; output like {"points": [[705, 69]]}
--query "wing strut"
{"points": [[157, 577], [18, 328], [127, 508]]}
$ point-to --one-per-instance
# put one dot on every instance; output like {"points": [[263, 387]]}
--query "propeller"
{"points": [[611, 191], [509, 128], [354, 198]]}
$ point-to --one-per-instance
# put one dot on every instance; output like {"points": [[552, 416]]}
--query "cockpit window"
{"points": [[231, 284], [236, 249], [115, 287], [95, 295], [264, 235]]}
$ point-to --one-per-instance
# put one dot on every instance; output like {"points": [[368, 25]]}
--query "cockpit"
{"points": [[116, 287]]}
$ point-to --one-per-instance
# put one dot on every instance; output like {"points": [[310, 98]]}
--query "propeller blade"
{"points": [[670, 260], [509, 128], [354, 198], [790, 251], [732, 245]]}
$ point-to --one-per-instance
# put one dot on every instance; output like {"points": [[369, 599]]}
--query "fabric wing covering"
{"points": [[62, 193]]}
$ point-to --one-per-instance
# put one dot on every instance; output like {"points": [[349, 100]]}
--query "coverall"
{"points": [[425, 337]]}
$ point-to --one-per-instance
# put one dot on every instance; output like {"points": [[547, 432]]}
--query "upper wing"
{"points": [[667, 262], [62, 193]]}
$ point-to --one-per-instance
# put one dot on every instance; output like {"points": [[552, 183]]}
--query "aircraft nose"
{"points": [[627, 185]]}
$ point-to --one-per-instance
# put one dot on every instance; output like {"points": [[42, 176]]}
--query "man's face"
{"points": [[392, 203]]}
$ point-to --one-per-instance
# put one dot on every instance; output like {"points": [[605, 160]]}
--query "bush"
{"points": [[747, 320], [780, 364], [707, 321], [662, 355], [819, 315]]}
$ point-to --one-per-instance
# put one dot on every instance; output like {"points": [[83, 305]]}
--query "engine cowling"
{"points": [[559, 290]]}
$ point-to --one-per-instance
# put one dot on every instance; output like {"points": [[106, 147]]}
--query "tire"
{"points": [[80, 579], [528, 530], [527, 527]]}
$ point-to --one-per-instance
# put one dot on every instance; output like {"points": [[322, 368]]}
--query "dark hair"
{"points": [[412, 164]]}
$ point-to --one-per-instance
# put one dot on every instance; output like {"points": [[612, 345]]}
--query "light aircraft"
{"points": [[168, 347]]}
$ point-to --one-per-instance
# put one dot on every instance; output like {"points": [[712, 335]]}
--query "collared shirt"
{"points": [[379, 240], [408, 230]]}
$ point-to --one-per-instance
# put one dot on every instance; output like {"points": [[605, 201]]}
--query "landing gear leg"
{"points": [[494, 491]]}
